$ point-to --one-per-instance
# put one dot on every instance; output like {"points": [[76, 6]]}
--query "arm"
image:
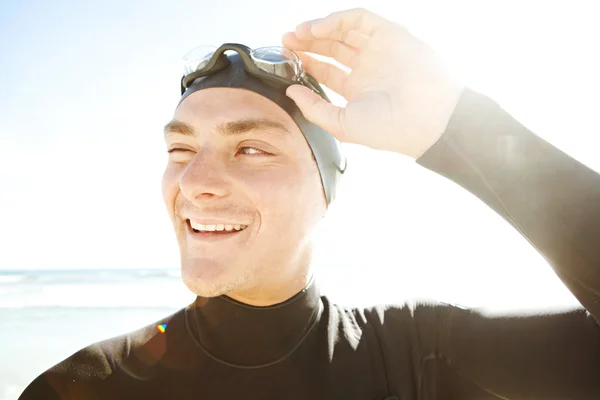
{"points": [[554, 202], [550, 198], [400, 98]]}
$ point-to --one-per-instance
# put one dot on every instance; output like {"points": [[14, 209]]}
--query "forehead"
{"points": [[217, 105]]}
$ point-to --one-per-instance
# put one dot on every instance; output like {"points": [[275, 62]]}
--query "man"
{"points": [[244, 192]]}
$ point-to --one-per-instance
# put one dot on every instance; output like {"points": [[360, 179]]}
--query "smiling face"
{"points": [[237, 159]]}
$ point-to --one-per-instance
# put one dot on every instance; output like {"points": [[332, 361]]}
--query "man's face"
{"points": [[236, 158]]}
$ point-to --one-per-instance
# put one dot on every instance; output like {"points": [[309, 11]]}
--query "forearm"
{"points": [[550, 198]]}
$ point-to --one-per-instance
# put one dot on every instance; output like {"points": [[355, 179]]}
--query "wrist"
{"points": [[444, 107]]}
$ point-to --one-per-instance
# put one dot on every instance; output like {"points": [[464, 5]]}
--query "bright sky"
{"points": [[86, 88]]}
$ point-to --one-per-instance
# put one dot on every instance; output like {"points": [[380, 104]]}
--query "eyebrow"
{"points": [[231, 128]]}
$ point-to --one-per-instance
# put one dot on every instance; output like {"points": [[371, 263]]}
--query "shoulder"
{"points": [[418, 320], [99, 359], [422, 311], [93, 365]]}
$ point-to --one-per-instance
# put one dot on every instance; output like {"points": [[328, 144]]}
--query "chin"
{"points": [[206, 278]]}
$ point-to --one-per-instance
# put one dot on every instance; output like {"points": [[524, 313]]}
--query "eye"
{"points": [[252, 151], [176, 149]]}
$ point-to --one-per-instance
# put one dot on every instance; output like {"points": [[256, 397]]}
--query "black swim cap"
{"points": [[326, 148]]}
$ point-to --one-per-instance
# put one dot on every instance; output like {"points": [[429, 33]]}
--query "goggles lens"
{"points": [[197, 59], [275, 60], [278, 61]]}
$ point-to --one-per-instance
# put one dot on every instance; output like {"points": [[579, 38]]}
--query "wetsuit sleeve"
{"points": [[554, 202], [550, 198]]}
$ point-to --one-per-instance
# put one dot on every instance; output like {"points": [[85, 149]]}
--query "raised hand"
{"points": [[399, 95]]}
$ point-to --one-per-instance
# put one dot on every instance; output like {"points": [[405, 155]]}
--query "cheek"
{"points": [[283, 195], [268, 187]]}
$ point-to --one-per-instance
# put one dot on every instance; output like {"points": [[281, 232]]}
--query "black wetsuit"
{"points": [[308, 348]]}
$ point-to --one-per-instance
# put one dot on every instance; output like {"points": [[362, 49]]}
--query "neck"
{"points": [[268, 295], [245, 335], [279, 286]]}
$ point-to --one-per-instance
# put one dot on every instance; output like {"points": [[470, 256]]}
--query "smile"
{"points": [[213, 232], [198, 227]]}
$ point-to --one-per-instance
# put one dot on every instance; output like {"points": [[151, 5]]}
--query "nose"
{"points": [[205, 177]]}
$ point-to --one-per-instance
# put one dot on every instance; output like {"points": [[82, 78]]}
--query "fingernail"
{"points": [[289, 37], [299, 26], [303, 30], [289, 92]]}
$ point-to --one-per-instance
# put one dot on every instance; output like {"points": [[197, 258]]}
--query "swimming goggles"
{"points": [[275, 64]]}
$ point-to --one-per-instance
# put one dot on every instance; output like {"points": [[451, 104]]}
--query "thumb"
{"points": [[317, 110]]}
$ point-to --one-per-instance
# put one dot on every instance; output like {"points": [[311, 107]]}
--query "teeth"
{"points": [[217, 227]]}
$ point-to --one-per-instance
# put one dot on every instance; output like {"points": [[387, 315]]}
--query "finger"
{"points": [[303, 31], [353, 39], [332, 76], [317, 110], [340, 22], [356, 39], [342, 53]]}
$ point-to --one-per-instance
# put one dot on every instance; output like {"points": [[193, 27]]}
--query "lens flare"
{"points": [[162, 327]]}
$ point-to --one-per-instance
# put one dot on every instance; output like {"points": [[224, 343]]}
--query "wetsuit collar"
{"points": [[241, 335]]}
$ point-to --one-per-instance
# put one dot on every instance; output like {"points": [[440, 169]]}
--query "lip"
{"points": [[212, 222], [211, 236]]}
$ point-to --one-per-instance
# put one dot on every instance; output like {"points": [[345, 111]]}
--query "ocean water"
{"points": [[92, 288], [48, 315]]}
